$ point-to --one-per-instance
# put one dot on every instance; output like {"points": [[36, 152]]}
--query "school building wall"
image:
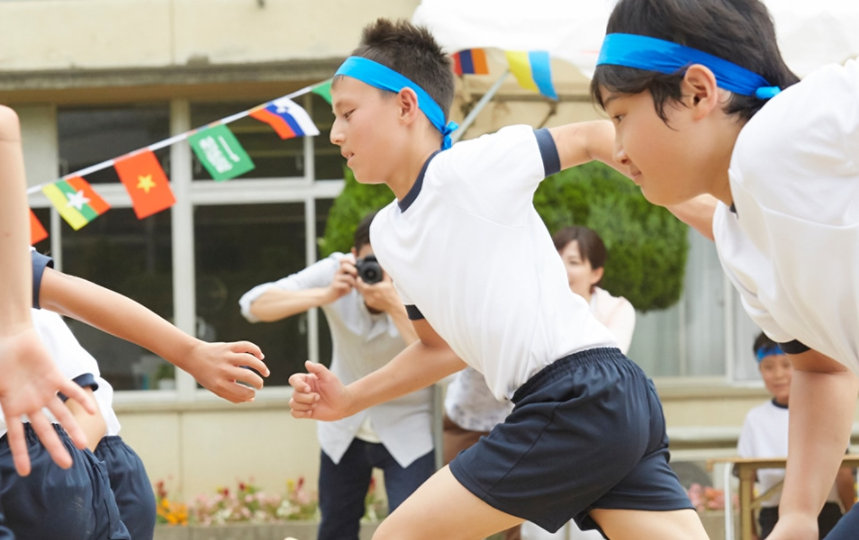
{"points": [[87, 52]]}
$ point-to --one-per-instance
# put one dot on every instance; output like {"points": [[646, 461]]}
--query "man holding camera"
{"points": [[369, 326]]}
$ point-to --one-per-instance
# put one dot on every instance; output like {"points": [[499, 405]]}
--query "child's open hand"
{"points": [[30, 381], [220, 367], [318, 394]]}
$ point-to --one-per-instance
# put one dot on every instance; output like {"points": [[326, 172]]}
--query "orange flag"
{"points": [[37, 230], [146, 183]]}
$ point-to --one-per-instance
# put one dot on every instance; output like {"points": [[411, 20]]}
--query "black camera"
{"points": [[369, 269]]}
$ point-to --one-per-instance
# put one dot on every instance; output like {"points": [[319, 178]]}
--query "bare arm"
{"points": [[217, 366], [320, 395], [276, 304], [30, 379], [383, 296], [822, 402]]}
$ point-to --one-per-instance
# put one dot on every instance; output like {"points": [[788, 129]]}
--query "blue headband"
{"points": [[380, 76], [771, 350], [652, 54]]}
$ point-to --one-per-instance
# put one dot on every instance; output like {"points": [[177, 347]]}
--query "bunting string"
{"points": [[222, 155]]}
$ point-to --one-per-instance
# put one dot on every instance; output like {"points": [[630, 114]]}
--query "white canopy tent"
{"points": [[810, 33]]}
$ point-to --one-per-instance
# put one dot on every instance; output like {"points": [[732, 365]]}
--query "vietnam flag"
{"points": [[37, 230], [76, 201], [470, 61], [146, 183], [286, 118]]}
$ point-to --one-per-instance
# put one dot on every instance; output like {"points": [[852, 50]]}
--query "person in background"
{"points": [[369, 326], [764, 435]]}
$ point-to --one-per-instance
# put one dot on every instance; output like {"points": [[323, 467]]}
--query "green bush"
{"points": [[349, 208], [646, 245]]}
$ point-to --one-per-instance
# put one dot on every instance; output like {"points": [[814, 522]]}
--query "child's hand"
{"points": [[30, 380], [318, 394], [93, 425], [220, 367]]}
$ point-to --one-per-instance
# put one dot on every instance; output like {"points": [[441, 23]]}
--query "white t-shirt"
{"points": [[792, 247], [764, 435], [362, 342], [73, 361], [468, 250]]}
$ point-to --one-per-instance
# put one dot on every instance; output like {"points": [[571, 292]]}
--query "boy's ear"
{"points": [[407, 101], [699, 89]]}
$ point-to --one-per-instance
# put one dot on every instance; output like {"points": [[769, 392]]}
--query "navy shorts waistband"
{"points": [[600, 354]]}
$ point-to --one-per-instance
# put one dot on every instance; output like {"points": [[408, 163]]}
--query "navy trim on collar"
{"points": [[549, 151], [416, 187], [778, 405], [733, 209]]}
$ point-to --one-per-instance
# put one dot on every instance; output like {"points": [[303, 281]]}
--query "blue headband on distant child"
{"points": [[768, 350], [652, 54], [380, 76]]}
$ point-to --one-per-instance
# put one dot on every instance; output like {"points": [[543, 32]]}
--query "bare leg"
{"points": [[638, 524], [443, 508]]}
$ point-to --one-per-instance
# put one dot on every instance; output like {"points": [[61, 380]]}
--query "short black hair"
{"points": [[591, 246], [740, 31], [761, 342], [413, 52], [362, 231]]}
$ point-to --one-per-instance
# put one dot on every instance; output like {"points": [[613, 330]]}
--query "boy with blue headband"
{"points": [[704, 105], [764, 435], [484, 287]]}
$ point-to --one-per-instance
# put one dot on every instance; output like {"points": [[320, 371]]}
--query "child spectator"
{"points": [[764, 435]]}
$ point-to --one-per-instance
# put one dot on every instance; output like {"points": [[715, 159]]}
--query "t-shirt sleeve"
{"points": [[314, 276], [40, 262], [495, 176]]}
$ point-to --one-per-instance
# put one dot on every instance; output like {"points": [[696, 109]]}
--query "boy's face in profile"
{"points": [[776, 371], [688, 152], [364, 128]]}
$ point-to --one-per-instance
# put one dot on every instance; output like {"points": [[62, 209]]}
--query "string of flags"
{"points": [[224, 158]]}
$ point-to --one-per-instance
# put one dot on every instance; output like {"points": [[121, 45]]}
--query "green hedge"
{"points": [[646, 245]]}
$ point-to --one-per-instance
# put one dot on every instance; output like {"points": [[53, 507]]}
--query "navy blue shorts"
{"points": [[130, 484], [586, 432], [72, 504]]}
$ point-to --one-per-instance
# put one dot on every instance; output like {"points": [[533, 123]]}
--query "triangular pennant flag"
{"points": [[37, 230], [286, 118], [76, 201], [470, 62], [323, 90], [533, 71], [146, 183], [220, 152]]}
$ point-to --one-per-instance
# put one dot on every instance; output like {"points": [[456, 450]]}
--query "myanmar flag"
{"points": [[37, 230], [286, 118], [76, 201], [533, 71], [146, 183], [470, 61]]}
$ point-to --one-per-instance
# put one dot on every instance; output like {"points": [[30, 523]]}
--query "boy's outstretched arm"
{"points": [[29, 378], [583, 142], [219, 367], [822, 402], [320, 395]]}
